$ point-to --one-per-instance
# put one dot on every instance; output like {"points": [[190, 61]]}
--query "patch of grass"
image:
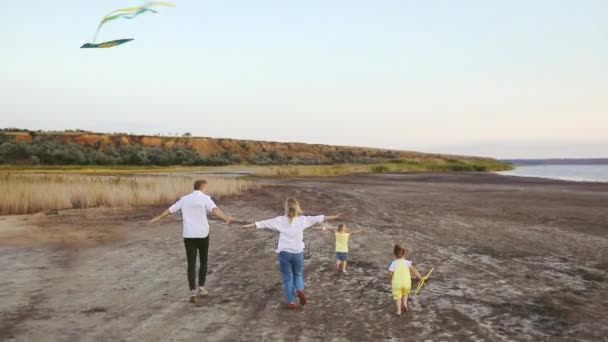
{"points": [[411, 164], [380, 168], [294, 171], [31, 193], [438, 164]]}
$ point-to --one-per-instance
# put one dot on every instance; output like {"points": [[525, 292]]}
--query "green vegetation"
{"points": [[445, 164], [331, 158], [99, 169], [43, 150], [399, 165], [47, 153]]}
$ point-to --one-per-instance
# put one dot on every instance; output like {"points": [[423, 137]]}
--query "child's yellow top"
{"points": [[401, 274], [342, 242]]}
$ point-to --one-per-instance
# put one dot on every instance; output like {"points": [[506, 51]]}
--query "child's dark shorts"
{"points": [[341, 256]]}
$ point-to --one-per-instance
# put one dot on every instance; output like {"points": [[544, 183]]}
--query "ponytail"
{"points": [[292, 209]]}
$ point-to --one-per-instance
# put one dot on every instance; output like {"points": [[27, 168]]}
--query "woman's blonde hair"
{"points": [[292, 208]]}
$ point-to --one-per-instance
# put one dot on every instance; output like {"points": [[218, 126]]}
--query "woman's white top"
{"points": [[291, 235]]}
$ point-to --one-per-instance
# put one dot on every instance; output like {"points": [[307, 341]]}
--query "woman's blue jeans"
{"points": [[291, 265]]}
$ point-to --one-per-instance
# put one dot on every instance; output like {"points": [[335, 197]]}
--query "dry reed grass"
{"points": [[25, 194]]}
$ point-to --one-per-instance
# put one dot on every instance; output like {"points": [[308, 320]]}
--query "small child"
{"points": [[342, 245], [400, 278]]}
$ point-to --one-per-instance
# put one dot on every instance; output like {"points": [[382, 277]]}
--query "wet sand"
{"points": [[515, 258]]}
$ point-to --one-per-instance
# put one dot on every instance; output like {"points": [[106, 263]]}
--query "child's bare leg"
{"points": [[398, 304], [337, 265], [405, 303], [344, 266]]}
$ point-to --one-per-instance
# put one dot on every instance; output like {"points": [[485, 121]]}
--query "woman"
{"points": [[291, 246]]}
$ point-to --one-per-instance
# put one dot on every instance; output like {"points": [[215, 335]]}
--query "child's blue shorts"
{"points": [[341, 256]]}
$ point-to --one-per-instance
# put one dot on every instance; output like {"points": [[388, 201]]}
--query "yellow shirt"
{"points": [[342, 242]]}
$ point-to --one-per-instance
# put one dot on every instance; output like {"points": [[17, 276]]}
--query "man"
{"points": [[195, 207]]}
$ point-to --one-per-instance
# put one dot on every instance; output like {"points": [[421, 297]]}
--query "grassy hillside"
{"points": [[18, 147]]}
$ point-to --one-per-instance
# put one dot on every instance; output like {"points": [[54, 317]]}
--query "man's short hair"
{"points": [[199, 184]]}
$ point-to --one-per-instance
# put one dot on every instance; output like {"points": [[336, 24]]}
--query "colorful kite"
{"points": [[423, 281], [111, 43], [124, 13]]}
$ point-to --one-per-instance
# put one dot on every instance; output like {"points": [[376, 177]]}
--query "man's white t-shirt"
{"points": [[194, 207], [291, 235]]}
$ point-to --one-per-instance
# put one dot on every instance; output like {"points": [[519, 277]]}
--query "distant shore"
{"points": [[558, 161], [571, 172]]}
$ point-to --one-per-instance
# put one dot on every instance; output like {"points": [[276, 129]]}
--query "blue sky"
{"points": [[496, 78]]}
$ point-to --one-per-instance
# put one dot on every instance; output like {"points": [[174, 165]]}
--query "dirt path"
{"points": [[516, 259]]}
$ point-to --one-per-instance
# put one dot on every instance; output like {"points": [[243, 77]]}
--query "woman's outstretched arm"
{"points": [[271, 224], [312, 220], [333, 217]]}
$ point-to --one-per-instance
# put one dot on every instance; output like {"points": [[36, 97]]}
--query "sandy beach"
{"points": [[515, 259]]}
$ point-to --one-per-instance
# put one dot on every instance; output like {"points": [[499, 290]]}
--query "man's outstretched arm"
{"points": [[161, 216], [219, 213]]}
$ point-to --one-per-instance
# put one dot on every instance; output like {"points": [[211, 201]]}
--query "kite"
{"points": [[423, 281], [124, 13], [111, 43]]}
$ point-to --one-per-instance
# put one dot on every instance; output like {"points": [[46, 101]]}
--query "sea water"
{"points": [[580, 173]]}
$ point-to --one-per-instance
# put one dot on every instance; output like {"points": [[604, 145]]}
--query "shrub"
{"points": [[461, 167], [287, 172], [4, 138], [15, 151], [379, 168]]}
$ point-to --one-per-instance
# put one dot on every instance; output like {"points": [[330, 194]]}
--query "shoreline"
{"points": [[570, 173]]}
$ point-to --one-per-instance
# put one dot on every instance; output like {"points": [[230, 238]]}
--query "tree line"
{"points": [[50, 151], [45, 150]]}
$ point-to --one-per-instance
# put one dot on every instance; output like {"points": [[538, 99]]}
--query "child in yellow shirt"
{"points": [[400, 278], [342, 237]]}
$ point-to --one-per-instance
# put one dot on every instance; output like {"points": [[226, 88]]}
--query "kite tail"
{"points": [[123, 16], [130, 13]]}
